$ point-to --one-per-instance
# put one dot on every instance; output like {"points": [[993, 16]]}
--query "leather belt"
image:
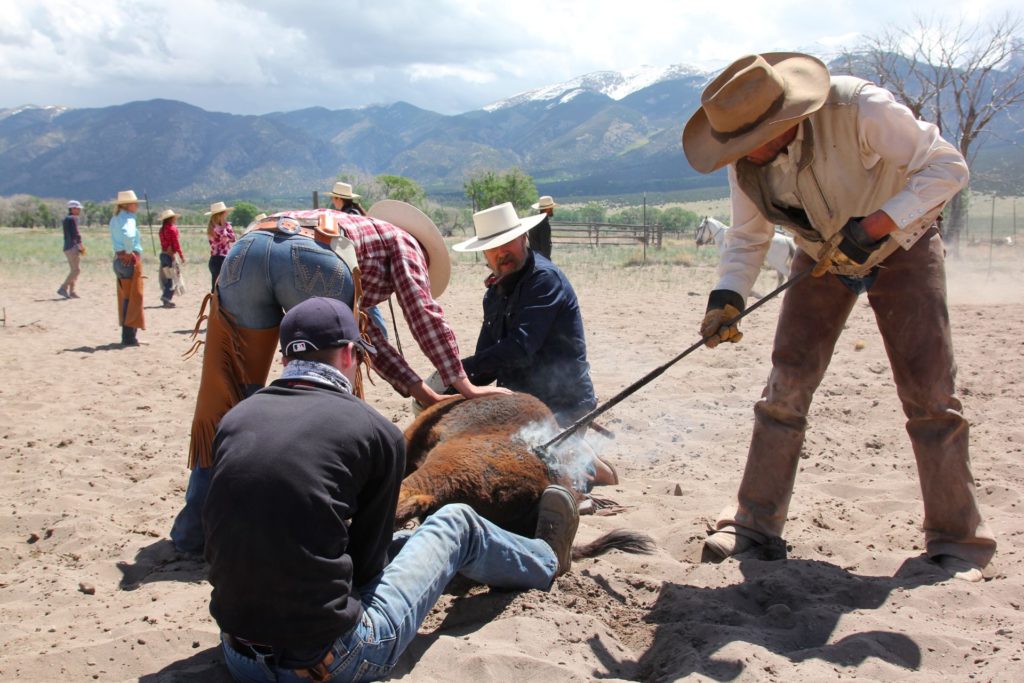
{"points": [[318, 672], [322, 229]]}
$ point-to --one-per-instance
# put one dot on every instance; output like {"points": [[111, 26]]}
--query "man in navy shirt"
{"points": [[532, 336]]}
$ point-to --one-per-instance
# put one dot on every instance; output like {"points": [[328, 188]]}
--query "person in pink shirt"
{"points": [[220, 236]]}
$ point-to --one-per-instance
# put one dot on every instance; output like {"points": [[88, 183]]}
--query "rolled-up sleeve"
{"points": [[935, 168]]}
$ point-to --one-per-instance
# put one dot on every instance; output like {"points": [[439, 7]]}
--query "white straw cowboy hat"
{"points": [[755, 99], [496, 226], [167, 213], [343, 191], [126, 197], [545, 202], [416, 223], [217, 207]]}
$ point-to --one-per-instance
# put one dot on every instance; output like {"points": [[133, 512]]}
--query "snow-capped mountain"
{"points": [[48, 110], [614, 84]]}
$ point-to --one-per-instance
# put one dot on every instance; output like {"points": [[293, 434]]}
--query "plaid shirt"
{"points": [[391, 260], [169, 242]]}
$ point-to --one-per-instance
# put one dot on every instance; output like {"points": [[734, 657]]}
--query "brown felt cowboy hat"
{"points": [[418, 224], [755, 99]]}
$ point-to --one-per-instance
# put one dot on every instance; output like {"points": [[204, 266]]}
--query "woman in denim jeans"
{"points": [[221, 237]]}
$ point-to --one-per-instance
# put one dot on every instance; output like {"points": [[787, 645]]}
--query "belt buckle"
{"points": [[288, 225]]}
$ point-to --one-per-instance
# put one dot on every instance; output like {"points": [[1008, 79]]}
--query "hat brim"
{"points": [[210, 213], [344, 196], [418, 224], [538, 207], [707, 154], [478, 244], [126, 201]]}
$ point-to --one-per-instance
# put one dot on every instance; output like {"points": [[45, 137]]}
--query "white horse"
{"points": [[780, 253]]}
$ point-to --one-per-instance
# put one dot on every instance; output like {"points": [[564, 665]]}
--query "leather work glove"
{"points": [[723, 305], [851, 246]]}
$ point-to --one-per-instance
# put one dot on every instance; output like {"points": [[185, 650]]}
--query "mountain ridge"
{"points": [[603, 133]]}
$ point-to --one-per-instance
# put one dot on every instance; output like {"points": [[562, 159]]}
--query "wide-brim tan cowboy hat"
{"points": [[126, 197], [545, 202], [167, 213], [755, 99], [418, 224], [218, 207], [343, 191], [496, 226]]}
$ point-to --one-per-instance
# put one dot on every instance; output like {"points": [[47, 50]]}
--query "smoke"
{"points": [[572, 458]]}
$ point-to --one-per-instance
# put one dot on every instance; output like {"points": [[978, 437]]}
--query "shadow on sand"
{"points": [[160, 561], [204, 666], [788, 607]]}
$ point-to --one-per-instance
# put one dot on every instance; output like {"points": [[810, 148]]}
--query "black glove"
{"points": [[856, 244]]}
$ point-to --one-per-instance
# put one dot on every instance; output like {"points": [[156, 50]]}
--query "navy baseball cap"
{"points": [[320, 323]]}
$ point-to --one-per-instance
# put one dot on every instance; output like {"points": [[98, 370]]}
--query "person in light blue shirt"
{"points": [[124, 235]]}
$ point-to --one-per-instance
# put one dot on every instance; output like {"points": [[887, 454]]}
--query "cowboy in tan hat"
{"points": [[295, 255], [345, 200], [124, 234], [540, 236], [860, 182]]}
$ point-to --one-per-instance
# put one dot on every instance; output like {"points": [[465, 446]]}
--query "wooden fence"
{"points": [[606, 234]]}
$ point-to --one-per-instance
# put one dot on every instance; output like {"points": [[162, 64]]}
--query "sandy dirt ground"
{"points": [[92, 471]]}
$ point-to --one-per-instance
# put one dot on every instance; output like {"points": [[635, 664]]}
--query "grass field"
{"points": [[35, 247]]}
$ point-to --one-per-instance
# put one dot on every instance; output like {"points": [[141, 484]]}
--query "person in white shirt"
{"points": [[861, 184]]}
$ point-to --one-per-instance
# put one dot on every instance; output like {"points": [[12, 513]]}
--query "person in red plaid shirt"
{"points": [[275, 266]]}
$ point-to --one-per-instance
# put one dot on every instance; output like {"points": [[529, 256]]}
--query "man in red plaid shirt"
{"points": [[277, 265]]}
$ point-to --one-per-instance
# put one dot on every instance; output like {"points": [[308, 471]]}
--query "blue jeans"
{"points": [[267, 273], [263, 275], [454, 540], [377, 318], [187, 532], [166, 283]]}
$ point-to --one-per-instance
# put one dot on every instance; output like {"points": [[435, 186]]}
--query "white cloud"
{"points": [[451, 55]]}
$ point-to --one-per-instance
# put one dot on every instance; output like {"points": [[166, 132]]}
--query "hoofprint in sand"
{"points": [[92, 449]]}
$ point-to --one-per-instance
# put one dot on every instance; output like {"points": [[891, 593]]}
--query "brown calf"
{"points": [[479, 453]]}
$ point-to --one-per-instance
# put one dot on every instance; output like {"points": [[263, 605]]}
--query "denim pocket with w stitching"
{"points": [[318, 272], [231, 271]]}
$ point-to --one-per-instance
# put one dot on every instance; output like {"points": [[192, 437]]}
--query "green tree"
{"points": [[593, 212], [678, 219], [631, 215], [401, 188], [488, 189], [243, 213]]}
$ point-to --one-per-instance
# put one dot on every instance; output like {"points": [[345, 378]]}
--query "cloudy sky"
{"points": [[451, 56]]}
